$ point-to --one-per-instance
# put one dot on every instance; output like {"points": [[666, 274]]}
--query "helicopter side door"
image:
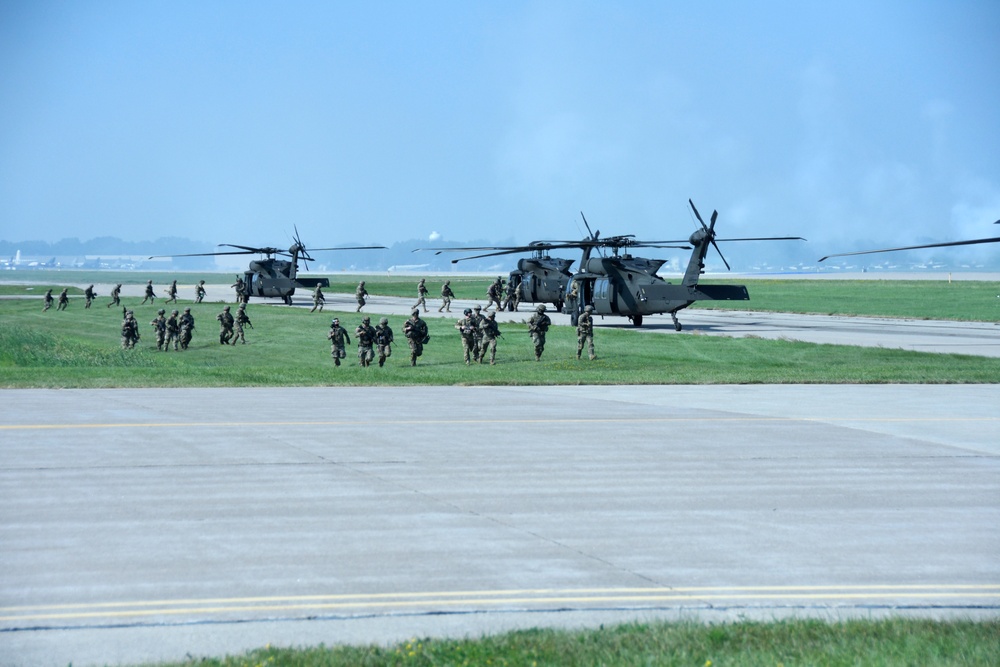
{"points": [[602, 296]]}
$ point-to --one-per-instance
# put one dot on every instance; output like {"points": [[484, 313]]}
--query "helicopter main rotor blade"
{"points": [[766, 238], [356, 247], [209, 254], [262, 251], [697, 215], [995, 239]]}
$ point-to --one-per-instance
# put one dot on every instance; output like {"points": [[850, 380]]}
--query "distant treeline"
{"points": [[104, 245]]}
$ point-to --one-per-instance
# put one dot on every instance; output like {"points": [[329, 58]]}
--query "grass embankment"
{"points": [[288, 347], [798, 642]]}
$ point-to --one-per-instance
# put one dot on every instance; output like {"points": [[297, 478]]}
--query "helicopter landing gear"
{"points": [[636, 320], [559, 305], [287, 299], [677, 324], [574, 318]]}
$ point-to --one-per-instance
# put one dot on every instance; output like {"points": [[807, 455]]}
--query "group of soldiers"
{"points": [[231, 327], [377, 340], [89, 295], [176, 329]]}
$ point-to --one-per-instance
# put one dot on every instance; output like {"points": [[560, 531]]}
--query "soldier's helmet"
{"points": [[129, 314], [243, 306], [149, 282], [362, 282], [187, 310], [91, 285], [366, 320], [589, 309], [492, 315], [226, 309], [422, 280], [540, 308], [467, 311], [334, 321], [201, 282], [416, 314], [447, 282], [119, 284], [384, 321], [160, 311], [477, 308], [173, 312]]}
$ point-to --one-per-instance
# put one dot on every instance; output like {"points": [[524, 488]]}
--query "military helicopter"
{"points": [[995, 239], [627, 286], [273, 277]]}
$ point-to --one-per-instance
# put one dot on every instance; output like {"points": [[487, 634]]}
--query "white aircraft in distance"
{"points": [[995, 239]]}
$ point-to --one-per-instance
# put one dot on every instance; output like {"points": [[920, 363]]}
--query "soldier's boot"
{"points": [[538, 357], [336, 361], [413, 360], [381, 362]]}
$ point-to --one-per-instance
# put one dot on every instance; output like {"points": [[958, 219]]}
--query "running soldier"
{"points": [[63, 299], [116, 292], [187, 328], [477, 320], [366, 339], [173, 332], [48, 300], [585, 332], [89, 294], [199, 291], [495, 293], [172, 293], [360, 295], [318, 299], [150, 296], [338, 340], [538, 325], [467, 328], [421, 295], [446, 296], [241, 319], [159, 327], [491, 331], [415, 330], [226, 323], [383, 340], [130, 331]]}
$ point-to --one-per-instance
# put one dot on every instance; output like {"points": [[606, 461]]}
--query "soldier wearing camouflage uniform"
{"points": [[240, 320], [477, 320], [415, 330], [226, 323], [383, 340], [490, 331], [173, 332], [199, 291], [360, 295], [446, 296], [63, 299], [366, 340], [172, 293], [116, 295], [187, 328], [511, 301], [467, 328], [159, 327], [538, 325], [89, 294], [240, 287], [318, 299], [495, 293], [338, 340], [150, 296], [421, 295], [48, 301], [130, 331], [585, 332]]}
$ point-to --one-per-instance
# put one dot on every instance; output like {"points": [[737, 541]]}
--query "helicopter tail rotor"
{"points": [[710, 230]]}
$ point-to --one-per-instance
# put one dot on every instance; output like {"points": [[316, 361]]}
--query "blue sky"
{"points": [[849, 123]]}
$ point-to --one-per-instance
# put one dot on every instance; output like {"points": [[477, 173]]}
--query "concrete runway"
{"points": [[141, 525]]}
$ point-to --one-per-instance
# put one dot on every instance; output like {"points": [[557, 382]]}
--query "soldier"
{"points": [[150, 296], [415, 330], [172, 293], [241, 319], [477, 319], [159, 327], [491, 331], [240, 288], [48, 300], [517, 294], [90, 295], [511, 296], [338, 339], [538, 324], [383, 340], [467, 328], [366, 339], [116, 295], [187, 328], [318, 299], [421, 295], [63, 299], [572, 298], [199, 291], [446, 296], [495, 293], [173, 332], [360, 295], [226, 322], [130, 331], [585, 332]]}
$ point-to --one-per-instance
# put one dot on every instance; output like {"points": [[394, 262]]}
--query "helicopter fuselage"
{"points": [[542, 279]]}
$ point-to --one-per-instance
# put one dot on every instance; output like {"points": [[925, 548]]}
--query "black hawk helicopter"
{"points": [[627, 286], [995, 239], [273, 277]]}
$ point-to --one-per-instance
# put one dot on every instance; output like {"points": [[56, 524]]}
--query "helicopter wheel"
{"points": [[559, 306], [637, 320]]}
